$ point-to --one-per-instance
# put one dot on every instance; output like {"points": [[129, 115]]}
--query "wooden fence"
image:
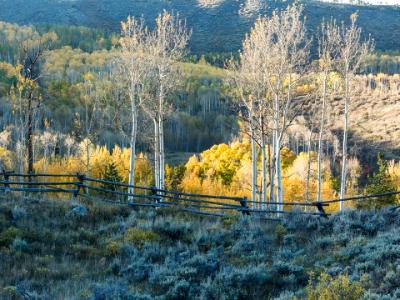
{"points": [[117, 193]]}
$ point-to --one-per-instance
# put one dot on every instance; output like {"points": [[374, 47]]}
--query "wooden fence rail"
{"points": [[118, 193]]}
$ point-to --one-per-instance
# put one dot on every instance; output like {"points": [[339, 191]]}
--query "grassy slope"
{"points": [[116, 252], [374, 123], [216, 29]]}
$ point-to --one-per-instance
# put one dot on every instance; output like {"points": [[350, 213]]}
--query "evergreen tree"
{"points": [[111, 174], [379, 183]]}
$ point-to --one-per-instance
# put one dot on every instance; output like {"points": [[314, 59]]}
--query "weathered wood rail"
{"points": [[121, 194]]}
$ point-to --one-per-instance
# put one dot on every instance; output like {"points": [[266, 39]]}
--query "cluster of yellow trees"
{"points": [[100, 158], [226, 170]]}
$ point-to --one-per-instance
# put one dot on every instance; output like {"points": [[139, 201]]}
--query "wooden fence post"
{"points": [[81, 179], [6, 176], [321, 209], [154, 194], [243, 203]]}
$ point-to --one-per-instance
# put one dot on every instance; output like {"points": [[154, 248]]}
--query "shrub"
{"points": [[115, 266], [8, 235], [19, 245], [139, 237], [172, 230], [109, 292], [180, 290], [18, 213], [329, 288], [280, 233], [113, 248], [78, 211]]}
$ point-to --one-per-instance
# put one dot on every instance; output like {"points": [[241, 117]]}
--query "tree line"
{"points": [[133, 92]]}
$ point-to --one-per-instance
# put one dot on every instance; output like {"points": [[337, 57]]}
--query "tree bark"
{"points": [[344, 146], [272, 171], [308, 170], [277, 150], [253, 166], [29, 137], [161, 132], [321, 132], [133, 149], [162, 154], [156, 154], [264, 166]]}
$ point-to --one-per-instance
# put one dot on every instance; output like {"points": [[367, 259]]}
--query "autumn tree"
{"points": [[283, 50], [92, 96], [249, 88], [32, 51], [131, 67], [328, 47], [166, 45], [351, 54]]}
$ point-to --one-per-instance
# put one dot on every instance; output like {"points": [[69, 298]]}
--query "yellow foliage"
{"points": [[6, 158], [329, 288], [295, 180], [99, 158], [139, 237], [226, 170], [394, 173], [218, 170]]}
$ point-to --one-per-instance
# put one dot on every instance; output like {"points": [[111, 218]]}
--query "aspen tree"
{"points": [[328, 47], [133, 70], [352, 51], [167, 44]]}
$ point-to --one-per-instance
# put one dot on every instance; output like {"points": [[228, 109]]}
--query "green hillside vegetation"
{"points": [[202, 103]]}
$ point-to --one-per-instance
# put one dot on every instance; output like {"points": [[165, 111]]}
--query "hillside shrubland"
{"points": [[48, 251], [219, 25]]}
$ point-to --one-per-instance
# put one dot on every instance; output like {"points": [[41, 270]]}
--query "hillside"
{"points": [[49, 251], [218, 26], [374, 126]]}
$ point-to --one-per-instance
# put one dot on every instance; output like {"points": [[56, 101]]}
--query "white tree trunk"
{"points": [[264, 171], [272, 172], [277, 156], [254, 172], [344, 146], [156, 154], [133, 150], [161, 132], [87, 158], [279, 176], [321, 133], [308, 170], [162, 154]]}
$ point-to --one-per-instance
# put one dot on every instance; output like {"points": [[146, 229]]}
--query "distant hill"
{"points": [[218, 25]]}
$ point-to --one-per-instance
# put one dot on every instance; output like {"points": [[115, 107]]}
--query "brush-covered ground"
{"points": [[49, 251]]}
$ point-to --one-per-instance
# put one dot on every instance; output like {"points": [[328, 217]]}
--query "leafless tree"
{"points": [[273, 57], [166, 45], [28, 74], [131, 68], [328, 47], [249, 87], [282, 38], [352, 52]]}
